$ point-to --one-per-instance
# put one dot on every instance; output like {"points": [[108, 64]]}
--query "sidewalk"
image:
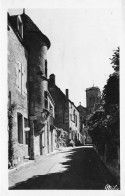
{"points": [[31, 162]]}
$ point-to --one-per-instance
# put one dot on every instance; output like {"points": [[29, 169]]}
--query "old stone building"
{"points": [[17, 90], [66, 113], [93, 98], [74, 124], [83, 124], [33, 114]]}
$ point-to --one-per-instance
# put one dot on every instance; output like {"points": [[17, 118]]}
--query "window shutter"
{"points": [[19, 77], [23, 81]]}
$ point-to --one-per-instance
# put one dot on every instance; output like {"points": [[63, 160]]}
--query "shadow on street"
{"points": [[80, 169]]}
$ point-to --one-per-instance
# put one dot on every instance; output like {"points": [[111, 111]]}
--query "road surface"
{"points": [[72, 168]]}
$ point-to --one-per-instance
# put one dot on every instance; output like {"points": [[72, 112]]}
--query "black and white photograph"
{"points": [[63, 108]]}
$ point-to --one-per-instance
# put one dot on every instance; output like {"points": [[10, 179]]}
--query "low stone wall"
{"points": [[113, 165], [20, 152]]}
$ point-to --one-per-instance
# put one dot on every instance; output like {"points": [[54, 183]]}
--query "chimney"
{"points": [[52, 80], [23, 10], [67, 93]]}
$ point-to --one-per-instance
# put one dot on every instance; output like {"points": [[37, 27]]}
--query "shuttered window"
{"points": [[21, 79]]}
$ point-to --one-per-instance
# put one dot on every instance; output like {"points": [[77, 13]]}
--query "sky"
{"points": [[82, 41]]}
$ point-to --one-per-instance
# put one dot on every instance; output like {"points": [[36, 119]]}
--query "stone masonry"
{"points": [[17, 92], [34, 130]]}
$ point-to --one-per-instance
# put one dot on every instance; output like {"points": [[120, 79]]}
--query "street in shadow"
{"points": [[81, 169]]}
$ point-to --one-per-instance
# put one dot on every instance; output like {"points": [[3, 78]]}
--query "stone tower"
{"points": [[93, 97], [37, 44]]}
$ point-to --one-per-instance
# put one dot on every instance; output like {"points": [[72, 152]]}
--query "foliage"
{"points": [[111, 92], [97, 126], [62, 137], [116, 59], [10, 133], [104, 123], [111, 89]]}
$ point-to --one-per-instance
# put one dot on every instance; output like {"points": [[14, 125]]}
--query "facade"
{"points": [[33, 114], [17, 92], [66, 113], [74, 124], [93, 98], [83, 116]]}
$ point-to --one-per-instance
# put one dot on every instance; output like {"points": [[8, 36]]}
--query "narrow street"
{"points": [[71, 168]]}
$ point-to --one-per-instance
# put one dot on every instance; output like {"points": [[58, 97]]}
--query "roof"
{"points": [[93, 88], [12, 22], [81, 108], [65, 97], [29, 26]]}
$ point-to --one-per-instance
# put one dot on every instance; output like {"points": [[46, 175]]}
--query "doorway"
{"points": [[41, 143], [20, 128]]}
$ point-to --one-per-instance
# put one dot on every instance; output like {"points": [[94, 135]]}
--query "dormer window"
{"points": [[20, 26]]}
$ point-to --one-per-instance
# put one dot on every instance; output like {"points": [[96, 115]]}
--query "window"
{"points": [[46, 68], [76, 120], [51, 109], [27, 137], [74, 115], [20, 128], [26, 124], [21, 79], [20, 26], [24, 90], [45, 100]]}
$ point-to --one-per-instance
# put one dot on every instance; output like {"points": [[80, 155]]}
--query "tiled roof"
{"points": [[64, 96], [81, 107], [93, 88], [29, 26], [12, 21]]}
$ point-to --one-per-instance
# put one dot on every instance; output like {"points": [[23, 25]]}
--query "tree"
{"points": [[98, 130], [104, 123], [111, 89], [116, 59], [111, 104]]}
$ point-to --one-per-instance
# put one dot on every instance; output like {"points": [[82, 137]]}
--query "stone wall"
{"points": [[17, 90], [64, 108], [60, 107], [38, 84]]}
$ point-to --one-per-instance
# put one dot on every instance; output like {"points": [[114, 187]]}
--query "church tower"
{"points": [[93, 97]]}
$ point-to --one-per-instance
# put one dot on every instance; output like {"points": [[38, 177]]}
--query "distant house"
{"points": [[83, 116], [66, 113], [33, 128]]}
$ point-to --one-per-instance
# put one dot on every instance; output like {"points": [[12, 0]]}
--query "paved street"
{"points": [[72, 168]]}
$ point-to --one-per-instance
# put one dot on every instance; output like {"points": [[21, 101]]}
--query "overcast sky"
{"points": [[82, 41]]}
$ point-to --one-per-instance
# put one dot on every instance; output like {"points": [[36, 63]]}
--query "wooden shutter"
{"points": [[19, 77]]}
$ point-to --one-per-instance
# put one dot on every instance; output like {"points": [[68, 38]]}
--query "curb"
{"points": [[31, 162]]}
